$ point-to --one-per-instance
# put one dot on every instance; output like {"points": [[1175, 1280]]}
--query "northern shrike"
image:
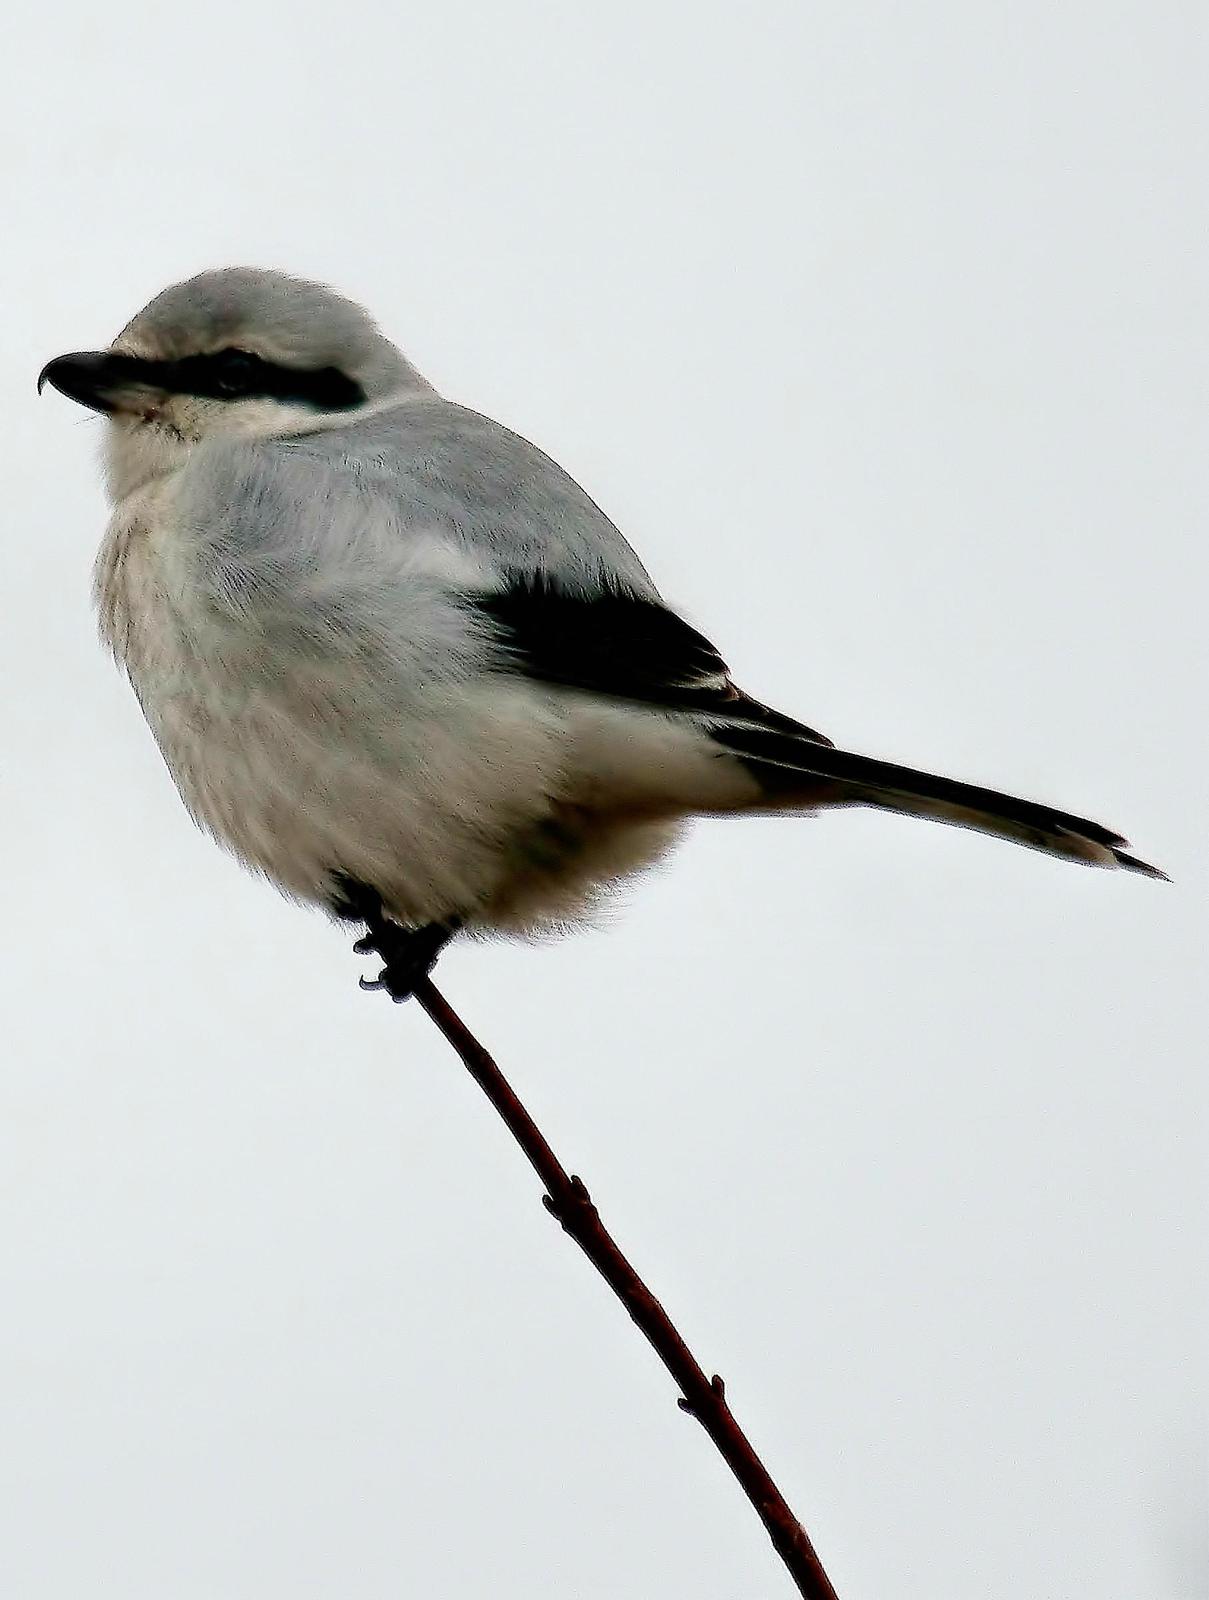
{"points": [[398, 661]]}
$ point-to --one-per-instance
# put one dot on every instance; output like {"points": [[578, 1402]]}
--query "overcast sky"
{"points": [[881, 331]]}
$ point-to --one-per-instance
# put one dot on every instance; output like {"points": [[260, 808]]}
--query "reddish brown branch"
{"points": [[702, 1397]]}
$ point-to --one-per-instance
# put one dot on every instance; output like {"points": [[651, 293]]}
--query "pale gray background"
{"points": [[879, 329]]}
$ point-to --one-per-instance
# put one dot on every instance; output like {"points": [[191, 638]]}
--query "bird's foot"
{"points": [[410, 955]]}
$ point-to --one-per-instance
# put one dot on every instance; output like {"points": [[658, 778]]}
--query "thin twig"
{"points": [[702, 1397]]}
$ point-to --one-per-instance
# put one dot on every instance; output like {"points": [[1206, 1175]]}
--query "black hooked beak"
{"points": [[93, 377]]}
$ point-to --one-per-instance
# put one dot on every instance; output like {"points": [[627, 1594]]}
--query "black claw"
{"points": [[410, 954]]}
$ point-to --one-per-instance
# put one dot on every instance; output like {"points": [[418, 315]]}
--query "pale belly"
{"points": [[466, 804]]}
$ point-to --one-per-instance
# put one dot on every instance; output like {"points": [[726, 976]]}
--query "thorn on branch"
{"points": [[716, 1387], [571, 1200]]}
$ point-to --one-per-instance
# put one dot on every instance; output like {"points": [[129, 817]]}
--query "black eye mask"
{"points": [[238, 374]]}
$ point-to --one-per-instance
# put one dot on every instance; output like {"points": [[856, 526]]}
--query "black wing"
{"points": [[623, 646]]}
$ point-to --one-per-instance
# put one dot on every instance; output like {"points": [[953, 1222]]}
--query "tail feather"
{"points": [[785, 765]]}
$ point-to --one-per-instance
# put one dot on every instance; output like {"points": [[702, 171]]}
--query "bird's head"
{"points": [[236, 351]]}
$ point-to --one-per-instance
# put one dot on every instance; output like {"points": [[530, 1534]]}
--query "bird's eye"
{"points": [[234, 371]]}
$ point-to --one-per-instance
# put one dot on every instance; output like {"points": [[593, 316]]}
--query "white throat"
{"points": [[137, 453]]}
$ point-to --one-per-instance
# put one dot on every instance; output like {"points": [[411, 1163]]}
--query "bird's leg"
{"points": [[410, 954]]}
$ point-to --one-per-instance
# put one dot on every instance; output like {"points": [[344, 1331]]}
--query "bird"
{"points": [[396, 659]]}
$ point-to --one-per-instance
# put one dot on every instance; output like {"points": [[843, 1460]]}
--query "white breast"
{"points": [[316, 727], [305, 764]]}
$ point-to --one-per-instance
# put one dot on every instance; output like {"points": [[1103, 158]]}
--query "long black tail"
{"points": [[793, 768]]}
